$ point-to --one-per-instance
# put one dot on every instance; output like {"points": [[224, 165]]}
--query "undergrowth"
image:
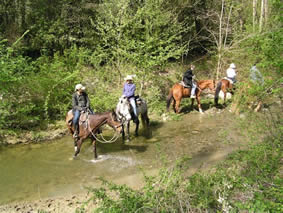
{"points": [[249, 180]]}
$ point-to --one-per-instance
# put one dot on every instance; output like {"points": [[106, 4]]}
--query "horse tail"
{"points": [[169, 99], [218, 88]]}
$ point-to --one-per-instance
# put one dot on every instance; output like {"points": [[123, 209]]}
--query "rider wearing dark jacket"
{"points": [[80, 103], [188, 80], [188, 76]]}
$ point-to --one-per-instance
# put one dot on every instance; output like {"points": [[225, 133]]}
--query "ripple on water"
{"points": [[116, 162]]}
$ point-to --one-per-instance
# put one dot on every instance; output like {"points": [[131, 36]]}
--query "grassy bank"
{"points": [[249, 180]]}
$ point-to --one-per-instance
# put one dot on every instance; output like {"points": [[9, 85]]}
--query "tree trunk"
{"points": [[261, 19], [220, 38], [254, 14]]}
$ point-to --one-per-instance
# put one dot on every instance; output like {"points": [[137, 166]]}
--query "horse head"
{"points": [[123, 109], [114, 122]]}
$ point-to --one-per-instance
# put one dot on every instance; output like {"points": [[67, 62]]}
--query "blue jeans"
{"points": [[194, 86], [133, 103], [76, 118]]}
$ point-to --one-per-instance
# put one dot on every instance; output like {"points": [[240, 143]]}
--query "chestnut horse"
{"points": [[89, 126], [223, 85], [178, 91]]}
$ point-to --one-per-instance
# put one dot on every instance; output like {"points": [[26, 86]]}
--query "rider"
{"points": [[80, 103], [188, 79], [129, 92], [231, 73]]}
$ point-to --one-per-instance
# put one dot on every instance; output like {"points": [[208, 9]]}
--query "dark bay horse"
{"points": [[89, 125], [178, 91], [223, 85], [125, 115]]}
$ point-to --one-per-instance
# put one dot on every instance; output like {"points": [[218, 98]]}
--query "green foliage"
{"points": [[249, 180], [145, 36]]}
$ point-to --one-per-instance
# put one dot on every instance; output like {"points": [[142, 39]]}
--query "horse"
{"points": [[125, 114], [178, 91], [89, 127], [223, 85]]}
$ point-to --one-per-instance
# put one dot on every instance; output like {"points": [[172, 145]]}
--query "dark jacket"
{"points": [[188, 77], [80, 102]]}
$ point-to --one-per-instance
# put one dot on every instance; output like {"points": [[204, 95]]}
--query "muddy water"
{"points": [[36, 171]]}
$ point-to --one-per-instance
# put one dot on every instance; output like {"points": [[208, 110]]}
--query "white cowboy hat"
{"points": [[128, 78], [233, 66], [79, 86]]}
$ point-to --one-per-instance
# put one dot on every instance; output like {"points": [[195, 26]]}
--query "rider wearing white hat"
{"points": [[80, 103], [129, 91], [231, 73]]}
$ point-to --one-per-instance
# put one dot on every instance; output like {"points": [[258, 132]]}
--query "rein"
{"points": [[103, 140]]}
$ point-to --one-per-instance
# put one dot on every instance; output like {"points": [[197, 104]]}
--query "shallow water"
{"points": [[35, 171]]}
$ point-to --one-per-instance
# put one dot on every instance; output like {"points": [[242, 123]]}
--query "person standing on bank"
{"points": [[256, 76], [188, 79], [129, 91], [80, 103]]}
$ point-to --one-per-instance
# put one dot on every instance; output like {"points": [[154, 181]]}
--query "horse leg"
{"points": [[192, 104], [224, 91], [137, 128], [199, 105], [174, 105], [78, 143], [123, 132], [94, 148], [178, 102], [128, 131]]}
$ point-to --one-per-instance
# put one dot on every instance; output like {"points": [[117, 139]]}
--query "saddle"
{"points": [[82, 120], [184, 85]]}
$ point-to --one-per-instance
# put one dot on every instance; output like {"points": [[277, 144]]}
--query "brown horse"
{"points": [[178, 91], [89, 126], [223, 85]]}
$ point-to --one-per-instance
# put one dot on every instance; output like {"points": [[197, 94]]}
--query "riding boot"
{"points": [[76, 133]]}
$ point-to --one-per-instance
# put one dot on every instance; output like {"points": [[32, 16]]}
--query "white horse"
{"points": [[125, 114]]}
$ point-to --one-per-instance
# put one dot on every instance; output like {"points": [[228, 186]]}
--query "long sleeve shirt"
{"points": [[80, 101], [129, 90], [231, 73]]}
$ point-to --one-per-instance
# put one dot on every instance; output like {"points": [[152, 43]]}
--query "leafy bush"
{"points": [[248, 180]]}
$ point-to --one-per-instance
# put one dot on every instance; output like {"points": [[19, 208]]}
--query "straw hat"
{"points": [[79, 86]]}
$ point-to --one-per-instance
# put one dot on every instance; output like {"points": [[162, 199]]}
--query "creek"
{"points": [[43, 170]]}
